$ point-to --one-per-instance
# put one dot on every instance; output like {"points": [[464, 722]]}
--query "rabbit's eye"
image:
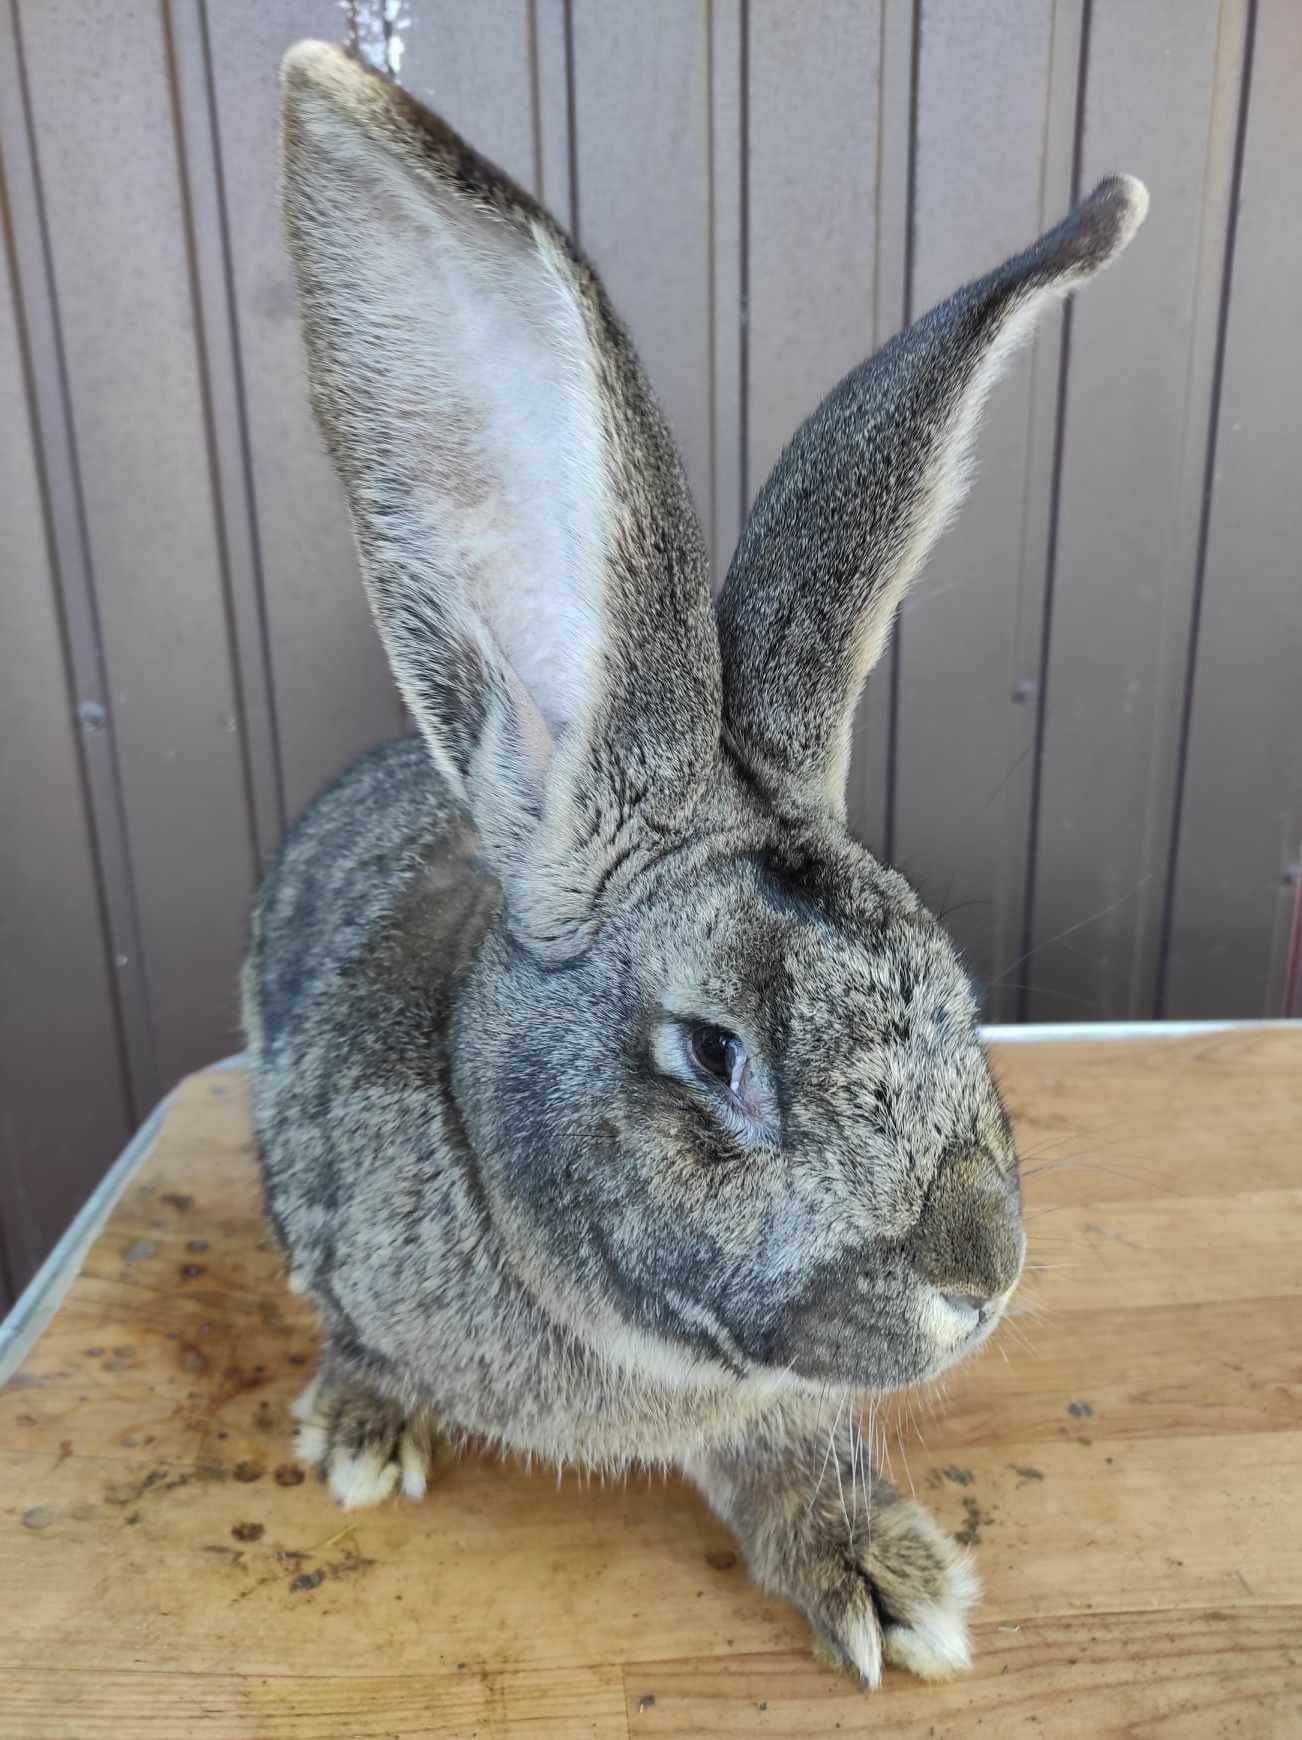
{"points": [[722, 1054], [746, 1104]]}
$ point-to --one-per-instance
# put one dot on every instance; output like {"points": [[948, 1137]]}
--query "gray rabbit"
{"points": [[615, 1106]]}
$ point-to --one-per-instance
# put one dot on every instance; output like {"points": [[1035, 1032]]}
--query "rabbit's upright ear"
{"points": [[859, 497], [529, 546]]}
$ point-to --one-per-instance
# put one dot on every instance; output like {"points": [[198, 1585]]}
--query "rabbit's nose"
{"points": [[968, 1238]]}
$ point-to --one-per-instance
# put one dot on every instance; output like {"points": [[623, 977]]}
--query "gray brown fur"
{"points": [[515, 1211]]}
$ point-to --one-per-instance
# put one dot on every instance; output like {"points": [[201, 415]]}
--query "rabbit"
{"points": [[614, 1105]]}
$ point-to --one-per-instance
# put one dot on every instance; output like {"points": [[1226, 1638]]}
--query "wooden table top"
{"points": [[1126, 1460]]}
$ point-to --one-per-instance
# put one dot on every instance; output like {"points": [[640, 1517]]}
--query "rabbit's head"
{"points": [[720, 1068]]}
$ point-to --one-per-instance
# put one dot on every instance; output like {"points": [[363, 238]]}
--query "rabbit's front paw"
{"points": [[897, 1591], [364, 1447]]}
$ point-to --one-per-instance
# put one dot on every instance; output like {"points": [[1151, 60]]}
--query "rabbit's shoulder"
{"points": [[376, 896]]}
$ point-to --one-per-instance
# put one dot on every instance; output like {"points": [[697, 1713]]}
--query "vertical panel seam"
{"points": [[879, 177], [203, 370], [911, 184], [743, 266], [8, 1291], [535, 98], [103, 798], [711, 281], [10, 1200], [571, 118], [1042, 403], [258, 575], [1205, 514], [910, 226], [1051, 552], [361, 19], [1292, 1003]]}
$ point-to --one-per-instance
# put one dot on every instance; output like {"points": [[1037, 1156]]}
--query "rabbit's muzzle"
{"points": [[968, 1241], [900, 1311], [967, 1249]]}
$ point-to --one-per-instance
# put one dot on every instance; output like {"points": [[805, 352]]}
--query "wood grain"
{"points": [[1126, 1462]]}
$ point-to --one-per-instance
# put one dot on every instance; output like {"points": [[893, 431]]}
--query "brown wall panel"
{"points": [[641, 147], [72, 570], [992, 172], [105, 147], [1161, 100], [814, 99], [1086, 741], [64, 1105], [1241, 835], [825, 246], [728, 335], [232, 473], [474, 65], [333, 693]]}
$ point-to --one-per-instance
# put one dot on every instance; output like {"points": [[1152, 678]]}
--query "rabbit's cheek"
{"points": [[852, 1327]]}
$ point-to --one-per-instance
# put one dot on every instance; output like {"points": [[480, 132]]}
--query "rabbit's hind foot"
{"points": [[365, 1448]]}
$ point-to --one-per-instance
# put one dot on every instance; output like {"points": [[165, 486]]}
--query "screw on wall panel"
{"points": [[1024, 690], [1291, 875], [91, 716], [373, 30]]}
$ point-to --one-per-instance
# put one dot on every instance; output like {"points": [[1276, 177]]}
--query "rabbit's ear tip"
{"points": [[1092, 235], [311, 65], [1137, 194], [1121, 201], [305, 61]]}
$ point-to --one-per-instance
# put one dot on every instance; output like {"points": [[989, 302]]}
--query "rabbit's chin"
{"points": [[898, 1346], [946, 1359], [887, 1370]]}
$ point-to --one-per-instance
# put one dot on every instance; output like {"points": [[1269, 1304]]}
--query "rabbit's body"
{"points": [[373, 929], [614, 1104], [369, 1175]]}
